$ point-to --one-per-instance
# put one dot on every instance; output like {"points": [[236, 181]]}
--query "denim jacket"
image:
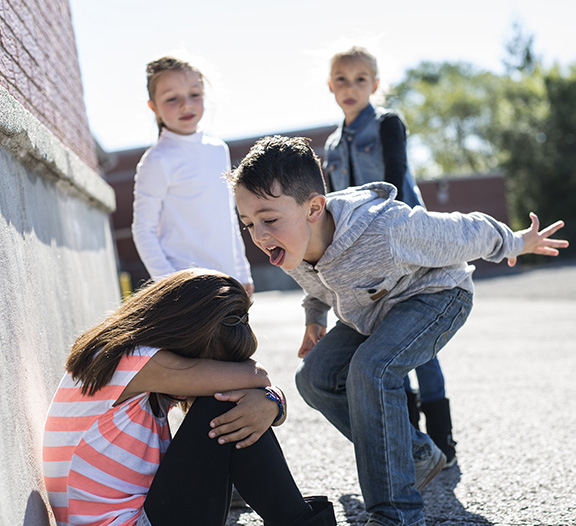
{"points": [[360, 144]]}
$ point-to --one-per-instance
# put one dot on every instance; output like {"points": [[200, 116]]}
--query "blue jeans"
{"points": [[430, 381], [357, 383]]}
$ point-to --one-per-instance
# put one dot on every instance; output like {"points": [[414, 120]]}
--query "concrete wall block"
{"points": [[22, 134], [58, 278]]}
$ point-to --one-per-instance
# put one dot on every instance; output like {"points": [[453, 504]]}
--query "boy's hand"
{"points": [[538, 242], [248, 421], [249, 288], [312, 336]]}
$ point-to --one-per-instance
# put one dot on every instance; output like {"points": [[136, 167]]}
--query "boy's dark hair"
{"points": [[289, 161]]}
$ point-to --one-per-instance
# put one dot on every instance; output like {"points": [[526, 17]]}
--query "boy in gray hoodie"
{"points": [[399, 284]]}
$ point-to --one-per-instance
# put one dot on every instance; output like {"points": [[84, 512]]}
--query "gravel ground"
{"points": [[510, 378]]}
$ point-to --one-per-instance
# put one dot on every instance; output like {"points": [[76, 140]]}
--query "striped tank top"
{"points": [[100, 460]]}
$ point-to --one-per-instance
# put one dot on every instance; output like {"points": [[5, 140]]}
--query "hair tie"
{"points": [[233, 320]]}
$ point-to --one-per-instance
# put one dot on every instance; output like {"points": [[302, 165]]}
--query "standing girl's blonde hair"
{"points": [[156, 68], [353, 54]]}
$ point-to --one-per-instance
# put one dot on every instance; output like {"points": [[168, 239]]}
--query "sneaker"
{"points": [[450, 462], [439, 428], [449, 449], [427, 469]]}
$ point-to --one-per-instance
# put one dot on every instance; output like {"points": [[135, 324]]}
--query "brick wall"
{"points": [[39, 68]]}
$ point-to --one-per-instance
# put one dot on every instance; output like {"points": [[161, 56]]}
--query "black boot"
{"points": [[323, 512], [413, 408], [439, 427]]}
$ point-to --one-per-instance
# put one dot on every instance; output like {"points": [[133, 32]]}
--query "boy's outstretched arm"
{"points": [[314, 331], [536, 242]]}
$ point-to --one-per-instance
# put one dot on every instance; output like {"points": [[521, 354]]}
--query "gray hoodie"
{"points": [[384, 252]]}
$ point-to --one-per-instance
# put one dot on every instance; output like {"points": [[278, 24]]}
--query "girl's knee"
{"points": [[207, 408]]}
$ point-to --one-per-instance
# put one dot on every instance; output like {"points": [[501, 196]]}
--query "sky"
{"points": [[267, 61]]}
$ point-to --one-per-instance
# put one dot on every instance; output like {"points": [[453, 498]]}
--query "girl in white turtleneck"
{"points": [[184, 211]]}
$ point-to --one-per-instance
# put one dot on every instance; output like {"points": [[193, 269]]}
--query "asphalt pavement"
{"points": [[510, 377]]}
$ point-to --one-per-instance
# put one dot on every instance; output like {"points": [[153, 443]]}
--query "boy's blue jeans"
{"points": [[357, 383]]}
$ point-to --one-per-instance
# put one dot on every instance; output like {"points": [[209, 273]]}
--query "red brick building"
{"points": [[39, 68]]}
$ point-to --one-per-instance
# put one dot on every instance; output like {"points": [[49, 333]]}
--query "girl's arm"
{"points": [[393, 138], [150, 189], [171, 374]]}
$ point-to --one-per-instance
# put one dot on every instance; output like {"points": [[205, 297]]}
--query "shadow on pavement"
{"points": [[442, 508], [354, 509]]}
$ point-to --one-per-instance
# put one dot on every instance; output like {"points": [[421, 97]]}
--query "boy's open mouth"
{"points": [[276, 256]]}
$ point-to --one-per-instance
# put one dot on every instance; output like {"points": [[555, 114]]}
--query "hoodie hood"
{"points": [[353, 210]]}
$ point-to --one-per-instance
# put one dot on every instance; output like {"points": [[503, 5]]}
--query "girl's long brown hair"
{"points": [[181, 313]]}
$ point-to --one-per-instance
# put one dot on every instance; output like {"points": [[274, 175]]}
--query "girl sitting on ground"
{"points": [[109, 458]]}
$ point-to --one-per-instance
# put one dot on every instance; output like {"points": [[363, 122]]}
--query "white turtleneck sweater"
{"points": [[184, 210]]}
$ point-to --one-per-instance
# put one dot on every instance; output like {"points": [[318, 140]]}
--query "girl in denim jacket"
{"points": [[370, 145]]}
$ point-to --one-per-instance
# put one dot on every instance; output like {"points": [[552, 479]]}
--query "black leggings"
{"points": [[193, 483]]}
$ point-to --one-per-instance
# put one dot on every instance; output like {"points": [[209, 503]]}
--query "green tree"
{"points": [[522, 122], [519, 51], [449, 110], [539, 142]]}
